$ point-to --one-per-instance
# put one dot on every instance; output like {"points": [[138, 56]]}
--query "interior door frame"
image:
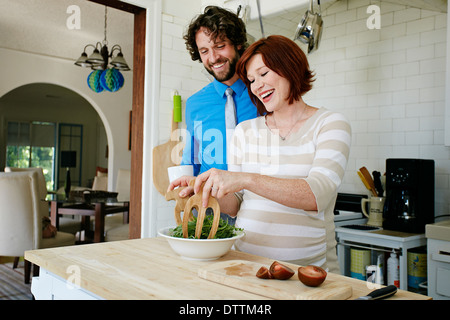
{"points": [[137, 131]]}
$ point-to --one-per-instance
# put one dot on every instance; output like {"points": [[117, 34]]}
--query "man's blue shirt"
{"points": [[205, 121]]}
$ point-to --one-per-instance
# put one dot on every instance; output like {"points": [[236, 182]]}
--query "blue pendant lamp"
{"points": [[104, 78]]}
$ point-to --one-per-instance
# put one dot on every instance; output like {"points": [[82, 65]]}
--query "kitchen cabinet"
{"points": [[378, 240], [438, 259], [147, 269]]}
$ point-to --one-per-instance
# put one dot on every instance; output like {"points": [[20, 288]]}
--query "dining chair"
{"points": [[42, 185], [21, 213], [66, 224], [115, 226], [123, 184], [42, 190], [100, 183]]}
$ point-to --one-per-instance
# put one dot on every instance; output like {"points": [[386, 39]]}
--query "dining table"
{"points": [[148, 269], [97, 208]]}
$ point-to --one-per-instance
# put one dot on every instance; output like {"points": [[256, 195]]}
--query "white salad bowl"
{"points": [[199, 249]]}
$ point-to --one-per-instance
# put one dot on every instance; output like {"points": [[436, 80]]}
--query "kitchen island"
{"points": [[146, 269]]}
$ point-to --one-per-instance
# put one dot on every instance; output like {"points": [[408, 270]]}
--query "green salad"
{"points": [[224, 230]]}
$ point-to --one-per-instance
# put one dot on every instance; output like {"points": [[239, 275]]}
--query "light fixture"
{"points": [[104, 78], [119, 61], [309, 30]]}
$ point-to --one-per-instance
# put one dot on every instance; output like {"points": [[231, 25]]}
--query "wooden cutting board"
{"points": [[241, 274], [163, 156]]}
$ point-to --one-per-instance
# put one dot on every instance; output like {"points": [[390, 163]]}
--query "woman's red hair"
{"points": [[284, 57]]}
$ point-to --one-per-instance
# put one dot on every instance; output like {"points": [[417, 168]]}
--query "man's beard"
{"points": [[221, 77]]}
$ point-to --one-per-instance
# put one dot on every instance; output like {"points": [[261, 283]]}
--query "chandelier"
{"points": [[104, 78]]}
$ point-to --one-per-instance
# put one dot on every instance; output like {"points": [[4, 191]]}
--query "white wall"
{"points": [[19, 68], [388, 82], [73, 109], [178, 72]]}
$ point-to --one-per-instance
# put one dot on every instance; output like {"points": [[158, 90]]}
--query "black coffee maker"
{"points": [[409, 204]]}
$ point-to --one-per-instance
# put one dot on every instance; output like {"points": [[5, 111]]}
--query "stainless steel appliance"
{"points": [[347, 210], [409, 202]]}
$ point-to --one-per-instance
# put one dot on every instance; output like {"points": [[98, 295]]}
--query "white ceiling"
{"points": [[39, 26], [281, 7]]}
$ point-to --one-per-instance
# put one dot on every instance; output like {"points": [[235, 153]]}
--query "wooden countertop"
{"points": [[149, 269]]}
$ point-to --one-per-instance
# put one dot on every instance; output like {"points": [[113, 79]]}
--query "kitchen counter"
{"points": [[438, 259], [149, 269], [439, 230]]}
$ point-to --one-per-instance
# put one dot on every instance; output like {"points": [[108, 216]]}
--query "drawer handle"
{"points": [[442, 256]]}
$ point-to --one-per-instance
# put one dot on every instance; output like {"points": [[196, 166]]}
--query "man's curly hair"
{"points": [[220, 22]]}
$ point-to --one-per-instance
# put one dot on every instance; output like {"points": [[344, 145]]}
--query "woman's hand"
{"points": [[182, 182], [218, 183], [294, 193]]}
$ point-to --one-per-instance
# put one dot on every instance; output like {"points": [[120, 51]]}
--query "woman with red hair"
{"points": [[286, 165]]}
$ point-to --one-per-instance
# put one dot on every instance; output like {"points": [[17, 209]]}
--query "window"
{"points": [[32, 144]]}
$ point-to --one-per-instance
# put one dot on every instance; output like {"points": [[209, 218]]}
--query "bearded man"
{"points": [[216, 38]]}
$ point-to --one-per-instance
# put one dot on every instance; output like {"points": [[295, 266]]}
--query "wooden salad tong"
{"points": [[180, 203], [187, 204]]}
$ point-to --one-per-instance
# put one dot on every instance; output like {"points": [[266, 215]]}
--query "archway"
{"points": [[46, 103]]}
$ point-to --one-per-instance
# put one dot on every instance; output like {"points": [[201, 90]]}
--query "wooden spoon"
{"points": [[196, 202], [363, 180], [369, 180]]}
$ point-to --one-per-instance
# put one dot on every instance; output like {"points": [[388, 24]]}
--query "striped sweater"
{"points": [[318, 152]]}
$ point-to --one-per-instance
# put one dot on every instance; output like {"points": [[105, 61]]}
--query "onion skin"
{"points": [[312, 276], [280, 271], [264, 273]]}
